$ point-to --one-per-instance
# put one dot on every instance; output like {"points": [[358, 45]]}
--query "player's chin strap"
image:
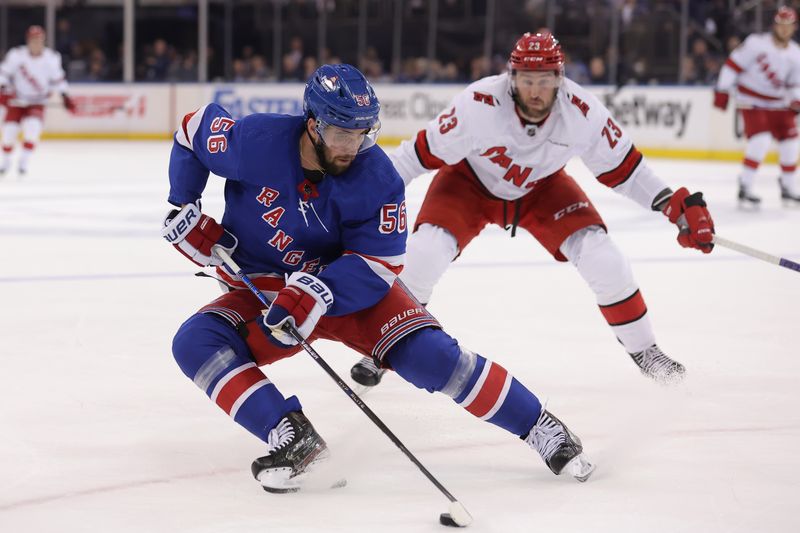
{"points": [[457, 513]]}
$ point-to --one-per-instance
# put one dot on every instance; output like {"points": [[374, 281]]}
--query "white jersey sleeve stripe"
{"points": [[189, 125], [386, 268]]}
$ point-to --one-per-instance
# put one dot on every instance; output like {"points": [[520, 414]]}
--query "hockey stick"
{"points": [[758, 254], [457, 515]]}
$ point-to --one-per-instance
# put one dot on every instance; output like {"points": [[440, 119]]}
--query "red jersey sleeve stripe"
{"points": [[731, 63], [624, 170], [423, 149]]}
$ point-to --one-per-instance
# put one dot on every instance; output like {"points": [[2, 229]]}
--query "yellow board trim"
{"points": [[388, 141], [127, 136]]}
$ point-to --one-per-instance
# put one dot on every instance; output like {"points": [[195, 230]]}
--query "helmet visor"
{"points": [[536, 79], [347, 140]]}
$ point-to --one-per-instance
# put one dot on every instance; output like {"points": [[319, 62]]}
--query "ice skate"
{"points": [[559, 447], [294, 449], [747, 200], [366, 373], [655, 364], [789, 198]]}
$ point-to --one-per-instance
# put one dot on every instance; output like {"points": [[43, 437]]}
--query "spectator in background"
{"points": [[158, 61], [98, 70], [258, 68], [732, 42], [292, 64], [575, 69], [597, 71], [309, 66], [706, 64], [241, 72], [479, 68], [185, 68]]}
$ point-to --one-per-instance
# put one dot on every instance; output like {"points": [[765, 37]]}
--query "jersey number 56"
{"points": [[393, 218]]}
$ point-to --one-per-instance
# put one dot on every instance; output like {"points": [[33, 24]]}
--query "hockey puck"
{"points": [[446, 520]]}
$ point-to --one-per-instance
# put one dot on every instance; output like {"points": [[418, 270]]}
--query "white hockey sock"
{"points": [[429, 252], [609, 275], [788, 152], [754, 154], [25, 154]]}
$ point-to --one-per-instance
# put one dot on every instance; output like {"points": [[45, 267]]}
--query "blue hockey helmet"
{"points": [[340, 95]]}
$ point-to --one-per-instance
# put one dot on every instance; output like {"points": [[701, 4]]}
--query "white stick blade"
{"points": [[459, 514]]}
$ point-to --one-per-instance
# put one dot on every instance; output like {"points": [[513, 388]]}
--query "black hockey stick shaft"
{"points": [[288, 328]]}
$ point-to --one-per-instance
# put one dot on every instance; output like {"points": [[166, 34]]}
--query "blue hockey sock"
{"points": [[213, 355], [432, 360]]}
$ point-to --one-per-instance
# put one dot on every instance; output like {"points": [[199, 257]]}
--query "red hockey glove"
{"points": [[689, 213], [301, 303], [69, 103], [721, 100], [794, 106], [193, 234]]}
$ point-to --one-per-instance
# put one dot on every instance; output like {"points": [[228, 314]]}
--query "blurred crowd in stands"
{"points": [[646, 51]]}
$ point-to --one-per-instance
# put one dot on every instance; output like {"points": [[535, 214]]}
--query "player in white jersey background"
{"points": [[28, 76], [500, 149], [764, 74]]}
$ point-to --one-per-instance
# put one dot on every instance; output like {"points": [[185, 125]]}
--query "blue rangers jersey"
{"points": [[349, 230]]}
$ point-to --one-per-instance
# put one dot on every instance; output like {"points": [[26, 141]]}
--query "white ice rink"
{"points": [[101, 432]]}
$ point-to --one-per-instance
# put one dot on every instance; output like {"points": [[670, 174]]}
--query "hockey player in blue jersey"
{"points": [[315, 215]]}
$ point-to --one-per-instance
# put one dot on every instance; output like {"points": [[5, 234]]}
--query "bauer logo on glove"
{"points": [[301, 303], [194, 234]]}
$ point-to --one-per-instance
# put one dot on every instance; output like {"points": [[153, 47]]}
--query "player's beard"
{"points": [[327, 161], [537, 113]]}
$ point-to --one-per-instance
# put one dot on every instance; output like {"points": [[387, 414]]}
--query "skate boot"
{"points": [[366, 373], [653, 363], [294, 449], [789, 198], [559, 447], [747, 200]]}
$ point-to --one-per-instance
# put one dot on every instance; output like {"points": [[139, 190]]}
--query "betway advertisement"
{"points": [[678, 121]]}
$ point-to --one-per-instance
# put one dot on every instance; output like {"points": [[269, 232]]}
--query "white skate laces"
{"points": [[280, 435], [559, 447], [654, 363]]}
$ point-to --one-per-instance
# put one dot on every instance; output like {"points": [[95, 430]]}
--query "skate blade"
{"points": [[580, 467], [749, 208], [277, 481]]}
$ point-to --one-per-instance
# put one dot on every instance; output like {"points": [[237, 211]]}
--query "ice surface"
{"points": [[102, 432]]}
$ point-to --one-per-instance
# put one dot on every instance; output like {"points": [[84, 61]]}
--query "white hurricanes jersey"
{"points": [[32, 78], [482, 128], [762, 74]]}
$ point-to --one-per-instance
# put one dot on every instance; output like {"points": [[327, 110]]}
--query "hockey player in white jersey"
{"points": [[28, 75], [499, 150], [764, 73]]}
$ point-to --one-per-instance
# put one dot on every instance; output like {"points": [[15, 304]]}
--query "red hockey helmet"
{"points": [[786, 15], [34, 31], [539, 51]]}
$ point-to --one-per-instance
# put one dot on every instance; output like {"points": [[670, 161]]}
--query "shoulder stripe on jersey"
{"points": [[189, 125], [423, 149], [386, 268], [624, 170], [731, 63], [755, 94]]}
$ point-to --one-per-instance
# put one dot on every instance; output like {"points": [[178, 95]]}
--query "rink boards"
{"points": [[663, 121]]}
